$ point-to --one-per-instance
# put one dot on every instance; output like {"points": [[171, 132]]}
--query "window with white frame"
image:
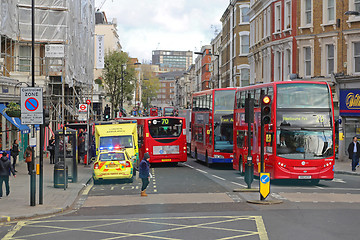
{"points": [[244, 17], [287, 63], [287, 15], [268, 22], [357, 57], [244, 43], [244, 76], [307, 61], [331, 10], [330, 58], [357, 5], [277, 17], [306, 17], [277, 66]]}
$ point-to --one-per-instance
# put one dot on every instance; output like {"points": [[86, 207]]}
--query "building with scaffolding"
{"points": [[64, 42]]}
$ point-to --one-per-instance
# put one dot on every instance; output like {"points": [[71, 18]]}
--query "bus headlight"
{"points": [[218, 156]]}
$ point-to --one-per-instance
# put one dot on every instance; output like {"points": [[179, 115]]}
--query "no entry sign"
{"points": [[31, 105]]}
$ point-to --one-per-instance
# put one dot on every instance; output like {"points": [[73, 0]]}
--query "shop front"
{"points": [[349, 111], [12, 129]]}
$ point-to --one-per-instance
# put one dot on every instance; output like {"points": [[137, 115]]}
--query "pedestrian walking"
{"points": [[144, 173], [5, 169], [82, 151], [354, 153], [28, 158], [51, 149], [14, 152]]}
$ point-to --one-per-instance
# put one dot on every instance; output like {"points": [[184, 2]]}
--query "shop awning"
{"points": [[14, 121]]}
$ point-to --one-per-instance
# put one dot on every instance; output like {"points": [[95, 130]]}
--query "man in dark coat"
{"points": [[5, 169], [144, 173], [354, 153]]}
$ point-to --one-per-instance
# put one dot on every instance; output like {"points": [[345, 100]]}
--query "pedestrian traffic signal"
{"points": [[266, 109]]}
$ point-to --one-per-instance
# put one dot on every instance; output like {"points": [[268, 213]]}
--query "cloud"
{"points": [[145, 25]]}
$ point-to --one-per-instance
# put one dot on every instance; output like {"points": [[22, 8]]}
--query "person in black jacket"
{"points": [[51, 149], [354, 153], [5, 169], [144, 173], [15, 153]]}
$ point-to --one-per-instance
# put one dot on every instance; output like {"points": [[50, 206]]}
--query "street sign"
{"points": [[82, 117], [54, 50], [264, 184], [31, 102], [83, 107], [88, 102]]}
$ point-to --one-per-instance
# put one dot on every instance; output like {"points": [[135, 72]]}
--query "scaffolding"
{"points": [[62, 22]]}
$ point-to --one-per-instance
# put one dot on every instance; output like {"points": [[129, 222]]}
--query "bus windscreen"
{"points": [[165, 127], [223, 120]]}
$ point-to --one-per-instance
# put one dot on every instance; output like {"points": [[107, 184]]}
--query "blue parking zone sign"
{"points": [[264, 184]]}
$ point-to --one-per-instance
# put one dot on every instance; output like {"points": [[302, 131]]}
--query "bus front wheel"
{"points": [[241, 167]]}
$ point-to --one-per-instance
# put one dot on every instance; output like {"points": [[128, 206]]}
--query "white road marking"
{"points": [[218, 177], [238, 184]]}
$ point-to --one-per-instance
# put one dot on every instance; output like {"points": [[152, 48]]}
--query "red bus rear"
{"points": [[299, 140], [164, 138], [153, 112]]}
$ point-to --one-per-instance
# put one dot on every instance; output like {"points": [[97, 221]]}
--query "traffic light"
{"points": [[266, 109], [46, 117]]}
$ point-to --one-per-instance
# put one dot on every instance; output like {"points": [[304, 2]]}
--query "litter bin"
{"points": [[59, 178]]}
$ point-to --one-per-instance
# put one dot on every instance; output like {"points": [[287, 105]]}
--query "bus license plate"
{"points": [[304, 177], [166, 160]]}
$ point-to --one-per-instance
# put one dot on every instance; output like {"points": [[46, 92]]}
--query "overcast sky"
{"points": [[146, 25]]}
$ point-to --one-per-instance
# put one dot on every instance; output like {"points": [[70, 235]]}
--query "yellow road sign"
{"points": [[264, 184]]}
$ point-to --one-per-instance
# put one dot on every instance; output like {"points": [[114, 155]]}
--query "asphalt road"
{"points": [[191, 201]]}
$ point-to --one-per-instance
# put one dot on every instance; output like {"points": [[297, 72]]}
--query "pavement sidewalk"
{"points": [[56, 200]]}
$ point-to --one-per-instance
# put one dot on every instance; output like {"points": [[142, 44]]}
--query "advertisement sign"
{"points": [[100, 51], [350, 102]]}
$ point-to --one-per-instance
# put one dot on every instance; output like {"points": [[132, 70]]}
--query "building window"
{"points": [[357, 5], [268, 22], [287, 15], [277, 66], [244, 17], [24, 58], [330, 58], [244, 77], [278, 17], [244, 43], [330, 10], [287, 64], [306, 13], [357, 56], [307, 61]]}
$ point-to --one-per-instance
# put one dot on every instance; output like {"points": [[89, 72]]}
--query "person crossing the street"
{"points": [[144, 173]]}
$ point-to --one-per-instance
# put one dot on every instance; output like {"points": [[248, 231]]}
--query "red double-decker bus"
{"points": [[153, 112], [164, 138], [299, 139], [212, 125]]}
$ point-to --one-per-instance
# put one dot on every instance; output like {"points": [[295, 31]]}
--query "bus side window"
{"points": [[270, 93], [242, 99], [240, 139], [257, 97], [210, 101]]}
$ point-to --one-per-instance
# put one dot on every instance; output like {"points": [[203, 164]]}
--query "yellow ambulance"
{"points": [[114, 135]]}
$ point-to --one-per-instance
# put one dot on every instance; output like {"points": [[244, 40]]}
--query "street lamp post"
{"points": [[136, 87], [123, 68]]}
